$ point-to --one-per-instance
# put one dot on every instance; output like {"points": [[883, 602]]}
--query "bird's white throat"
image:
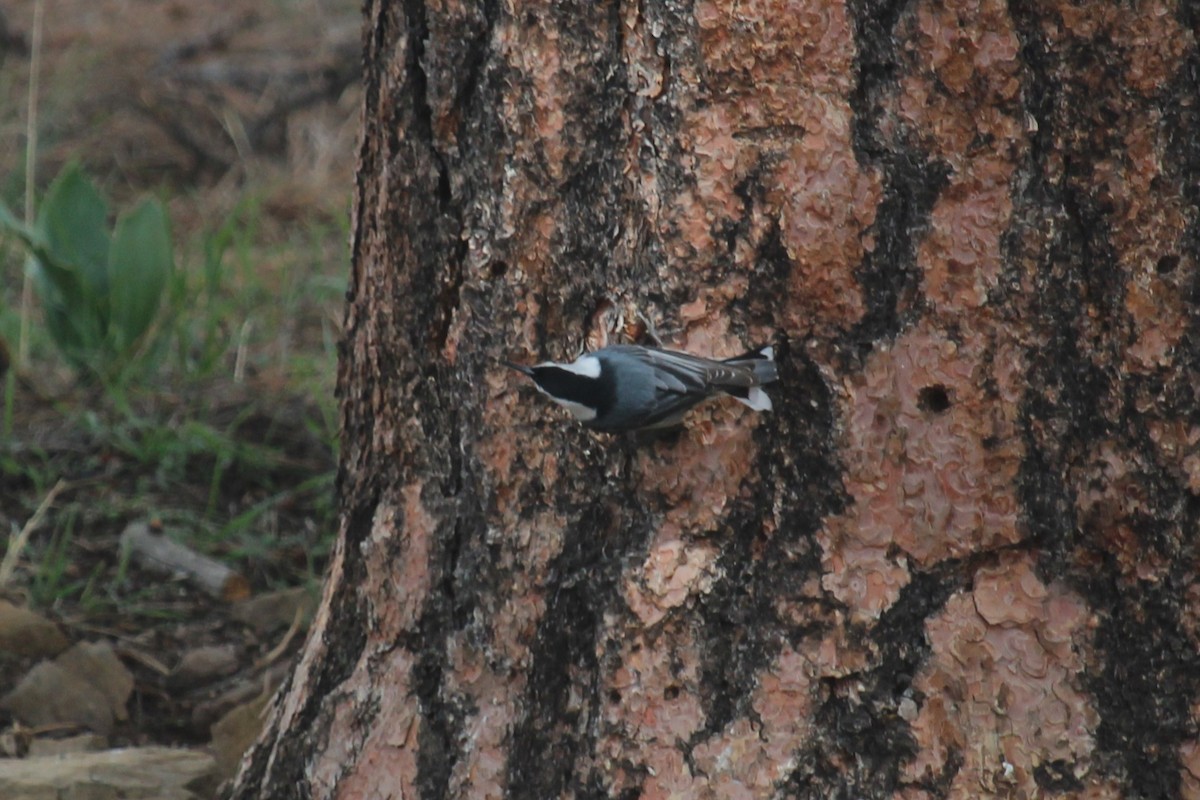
{"points": [[587, 365]]}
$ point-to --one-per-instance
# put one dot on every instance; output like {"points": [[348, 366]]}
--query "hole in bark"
{"points": [[934, 399], [1057, 776], [614, 697], [671, 692], [1167, 264], [497, 269]]}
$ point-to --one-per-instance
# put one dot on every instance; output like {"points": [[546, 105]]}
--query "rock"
{"points": [[204, 665], [207, 712], [86, 685], [275, 610], [97, 662], [233, 734], [141, 773], [29, 635], [49, 695]]}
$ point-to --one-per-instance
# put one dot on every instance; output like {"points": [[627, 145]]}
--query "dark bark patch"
{"points": [[772, 264], [1057, 776], [443, 715], [876, 70], [1148, 683], [551, 736], [889, 274], [864, 742], [420, 122], [564, 642], [741, 626], [1147, 676], [436, 743], [912, 183]]}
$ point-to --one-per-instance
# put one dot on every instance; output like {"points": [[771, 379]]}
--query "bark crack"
{"points": [[422, 119]]}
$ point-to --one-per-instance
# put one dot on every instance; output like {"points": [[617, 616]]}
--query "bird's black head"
{"points": [[580, 386], [564, 384]]}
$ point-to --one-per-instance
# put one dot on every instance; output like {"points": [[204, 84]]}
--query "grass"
{"points": [[227, 434], [51, 582]]}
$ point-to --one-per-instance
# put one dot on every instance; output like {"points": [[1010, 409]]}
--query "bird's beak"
{"points": [[519, 368]]}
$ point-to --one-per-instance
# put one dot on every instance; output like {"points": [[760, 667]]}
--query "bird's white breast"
{"points": [[578, 410]]}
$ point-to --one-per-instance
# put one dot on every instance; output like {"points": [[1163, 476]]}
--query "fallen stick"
{"points": [[156, 552], [135, 772]]}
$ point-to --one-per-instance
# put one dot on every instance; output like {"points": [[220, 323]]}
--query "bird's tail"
{"points": [[761, 361]]}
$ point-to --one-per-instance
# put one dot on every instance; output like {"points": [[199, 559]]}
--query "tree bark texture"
{"points": [[960, 557]]}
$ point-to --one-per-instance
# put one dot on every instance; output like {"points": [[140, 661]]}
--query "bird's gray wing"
{"points": [[683, 373]]}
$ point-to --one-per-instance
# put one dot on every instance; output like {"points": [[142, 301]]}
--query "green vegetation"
{"points": [[187, 383], [100, 290]]}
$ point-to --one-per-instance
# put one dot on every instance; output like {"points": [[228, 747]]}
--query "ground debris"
{"points": [[161, 773], [273, 611], [28, 635], [202, 665]]}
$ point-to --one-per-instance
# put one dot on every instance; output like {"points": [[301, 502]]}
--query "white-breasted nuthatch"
{"points": [[628, 387]]}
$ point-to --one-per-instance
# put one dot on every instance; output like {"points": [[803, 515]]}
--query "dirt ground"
{"points": [[204, 104]]}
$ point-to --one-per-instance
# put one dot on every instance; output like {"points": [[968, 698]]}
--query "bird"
{"points": [[630, 387]]}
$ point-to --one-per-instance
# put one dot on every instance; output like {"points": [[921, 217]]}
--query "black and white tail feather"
{"points": [[689, 376], [628, 387]]}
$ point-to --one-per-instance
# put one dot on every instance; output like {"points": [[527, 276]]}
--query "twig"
{"points": [[17, 543], [143, 658], [279, 649], [160, 554], [101, 630], [31, 143], [55, 727]]}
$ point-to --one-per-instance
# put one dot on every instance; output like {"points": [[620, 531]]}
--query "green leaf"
{"points": [[73, 222], [73, 324], [139, 265], [30, 237], [57, 288], [9, 221], [69, 245]]}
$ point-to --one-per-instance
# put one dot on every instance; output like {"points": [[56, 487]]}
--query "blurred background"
{"points": [[175, 180]]}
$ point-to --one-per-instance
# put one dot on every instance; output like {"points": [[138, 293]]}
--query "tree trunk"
{"points": [[960, 557]]}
